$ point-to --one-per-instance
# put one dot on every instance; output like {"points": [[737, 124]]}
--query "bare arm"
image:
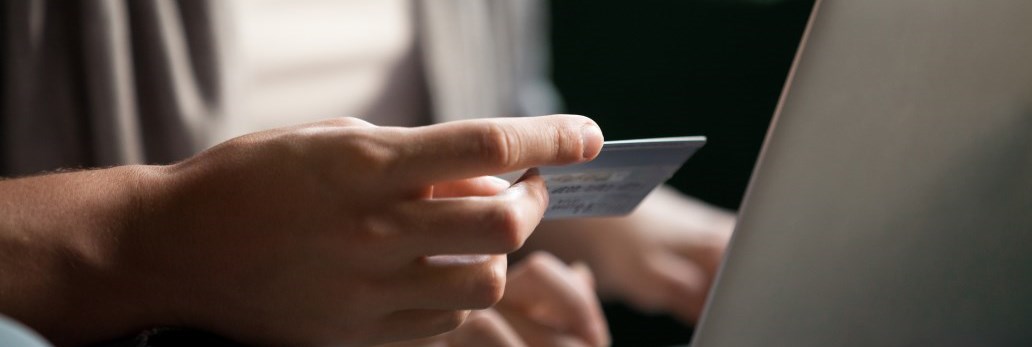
{"points": [[57, 233], [323, 233]]}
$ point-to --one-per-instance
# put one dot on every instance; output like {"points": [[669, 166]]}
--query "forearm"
{"points": [[59, 241]]}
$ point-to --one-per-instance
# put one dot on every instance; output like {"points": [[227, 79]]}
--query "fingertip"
{"points": [[598, 331], [583, 272], [595, 332], [687, 287], [591, 139], [601, 334], [536, 186]]}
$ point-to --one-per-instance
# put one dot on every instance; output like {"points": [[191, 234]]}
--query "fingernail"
{"points": [[591, 138]]}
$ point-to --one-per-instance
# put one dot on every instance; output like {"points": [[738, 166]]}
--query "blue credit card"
{"points": [[616, 182]]}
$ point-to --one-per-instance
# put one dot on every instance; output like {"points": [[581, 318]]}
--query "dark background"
{"points": [[653, 68]]}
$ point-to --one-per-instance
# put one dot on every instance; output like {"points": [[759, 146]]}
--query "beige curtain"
{"points": [[106, 82]]}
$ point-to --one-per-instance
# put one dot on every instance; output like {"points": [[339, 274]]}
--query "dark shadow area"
{"points": [[669, 68]]}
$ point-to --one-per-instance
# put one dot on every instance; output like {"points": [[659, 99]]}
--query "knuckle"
{"points": [[339, 121], [366, 151], [541, 262], [715, 251], [488, 289], [506, 223], [448, 321], [478, 323], [373, 230], [539, 194], [345, 122], [499, 146]]}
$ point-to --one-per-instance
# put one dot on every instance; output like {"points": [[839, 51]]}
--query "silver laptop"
{"points": [[892, 204]]}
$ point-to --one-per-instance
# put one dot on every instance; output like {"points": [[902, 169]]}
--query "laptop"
{"points": [[892, 202]]}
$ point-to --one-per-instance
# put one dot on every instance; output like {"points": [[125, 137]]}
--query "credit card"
{"points": [[615, 182]]}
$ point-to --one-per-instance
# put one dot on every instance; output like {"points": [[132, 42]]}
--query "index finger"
{"points": [[463, 149]]}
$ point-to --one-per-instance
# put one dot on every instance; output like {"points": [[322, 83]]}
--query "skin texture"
{"points": [[550, 304], [661, 258], [336, 232], [546, 303]]}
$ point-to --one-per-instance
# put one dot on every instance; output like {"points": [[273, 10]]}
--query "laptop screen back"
{"points": [[892, 204]]}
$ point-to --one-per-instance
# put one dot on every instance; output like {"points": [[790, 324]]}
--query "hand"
{"points": [[661, 258], [330, 230], [336, 232], [546, 304], [550, 304]]}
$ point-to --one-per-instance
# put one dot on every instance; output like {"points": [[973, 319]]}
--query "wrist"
{"points": [[62, 246], [165, 265], [113, 292]]}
